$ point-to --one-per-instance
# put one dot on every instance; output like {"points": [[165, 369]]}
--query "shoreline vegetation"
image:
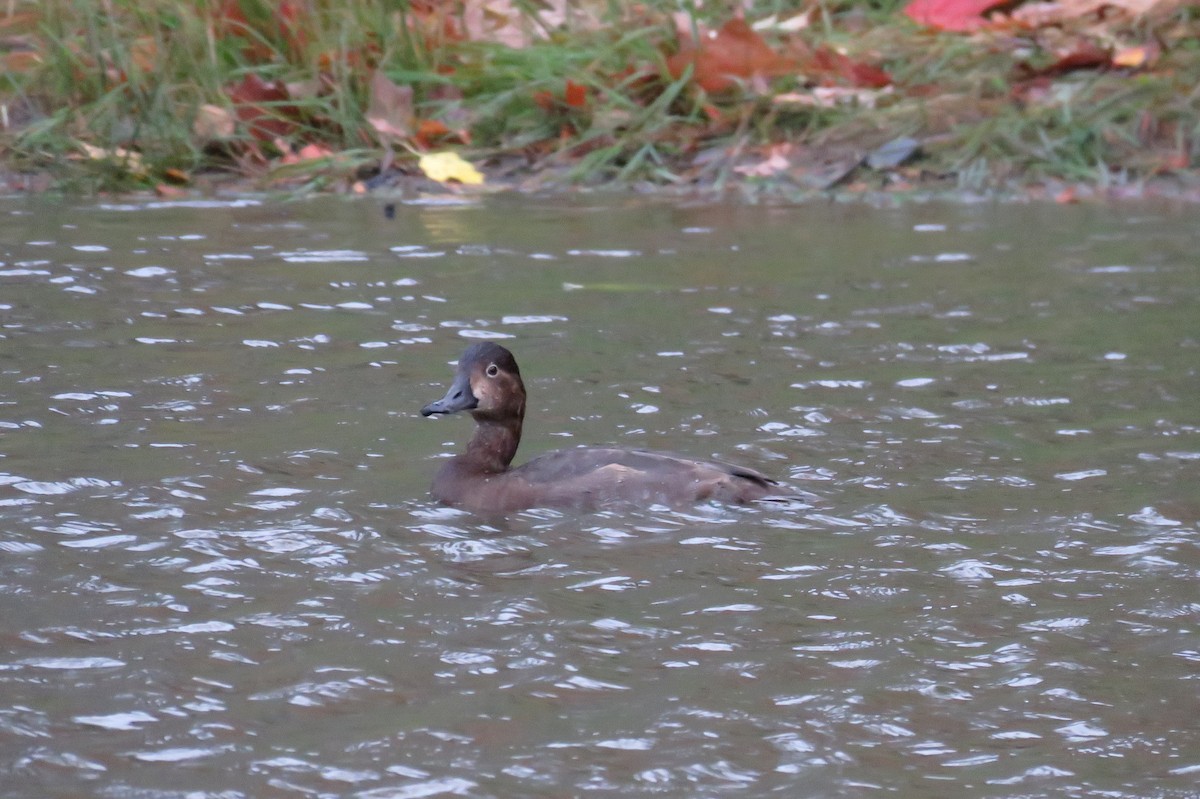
{"points": [[1065, 100]]}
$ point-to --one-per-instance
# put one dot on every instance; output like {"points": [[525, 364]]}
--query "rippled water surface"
{"points": [[221, 575]]}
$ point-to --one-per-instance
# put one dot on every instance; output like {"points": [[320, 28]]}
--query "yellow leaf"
{"points": [[1135, 57], [129, 160], [447, 166]]}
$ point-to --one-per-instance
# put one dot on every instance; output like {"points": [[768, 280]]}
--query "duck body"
{"points": [[488, 384]]}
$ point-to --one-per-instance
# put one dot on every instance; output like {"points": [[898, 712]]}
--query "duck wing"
{"points": [[607, 475]]}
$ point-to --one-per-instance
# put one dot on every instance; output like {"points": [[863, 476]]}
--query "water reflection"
{"points": [[220, 573]]}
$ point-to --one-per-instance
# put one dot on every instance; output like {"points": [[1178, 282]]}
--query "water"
{"points": [[221, 576]]}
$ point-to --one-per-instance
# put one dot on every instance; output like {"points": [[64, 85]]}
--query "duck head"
{"points": [[487, 383]]}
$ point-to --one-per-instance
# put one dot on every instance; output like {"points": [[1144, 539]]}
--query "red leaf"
{"points": [[290, 25], [726, 58], [257, 105], [1082, 55], [855, 73], [575, 95], [950, 15]]}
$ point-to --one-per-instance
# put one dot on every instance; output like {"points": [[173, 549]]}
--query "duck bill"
{"points": [[458, 398]]}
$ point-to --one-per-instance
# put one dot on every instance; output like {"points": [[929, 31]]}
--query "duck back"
{"points": [[597, 477]]}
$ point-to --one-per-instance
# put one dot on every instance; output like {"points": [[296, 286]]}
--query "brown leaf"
{"points": [[18, 61], [390, 108], [729, 57]]}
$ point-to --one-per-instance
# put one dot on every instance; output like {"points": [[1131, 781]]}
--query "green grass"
{"points": [[132, 74]]}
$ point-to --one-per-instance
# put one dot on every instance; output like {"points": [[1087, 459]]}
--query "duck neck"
{"points": [[494, 444]]}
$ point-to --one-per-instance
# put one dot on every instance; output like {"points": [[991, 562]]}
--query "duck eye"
{"points": [[492, 370]]}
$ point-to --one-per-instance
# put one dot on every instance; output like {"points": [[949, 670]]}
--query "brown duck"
{"points": [[488, 384]]}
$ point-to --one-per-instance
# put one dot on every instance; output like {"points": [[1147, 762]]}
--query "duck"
{"points": [[487, 384]]}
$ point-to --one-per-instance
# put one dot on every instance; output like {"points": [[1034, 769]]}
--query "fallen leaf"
{"points": [[575, 95], [446, 166], [307, 89], [169, 192], [518, 24], [129, 160], [19, 61], [311, 152], [212, 123], [20, 22], [434, 131], [291, 25], [950, 15], [1040, 15], [280, 21], [498, 21], [775, 162], [1143, 55], [827, 61], [1081, 54], [390, 108], [1179, 160], [727, 58], [258, 104]]}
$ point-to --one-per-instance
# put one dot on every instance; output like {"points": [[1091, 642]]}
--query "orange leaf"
{"points": [[1067, 196], [575, 95], [311, 152], [950, 15], [728, 57], [1134, 57], [430, 131]]}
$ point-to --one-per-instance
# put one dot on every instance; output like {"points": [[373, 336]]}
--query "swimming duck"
{"points": [[488, 385]]}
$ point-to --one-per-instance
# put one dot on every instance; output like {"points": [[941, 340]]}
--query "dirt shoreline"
{"points": [[861, 184]]}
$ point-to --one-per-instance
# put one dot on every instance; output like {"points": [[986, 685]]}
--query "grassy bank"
{"points": [[349, 94]]}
